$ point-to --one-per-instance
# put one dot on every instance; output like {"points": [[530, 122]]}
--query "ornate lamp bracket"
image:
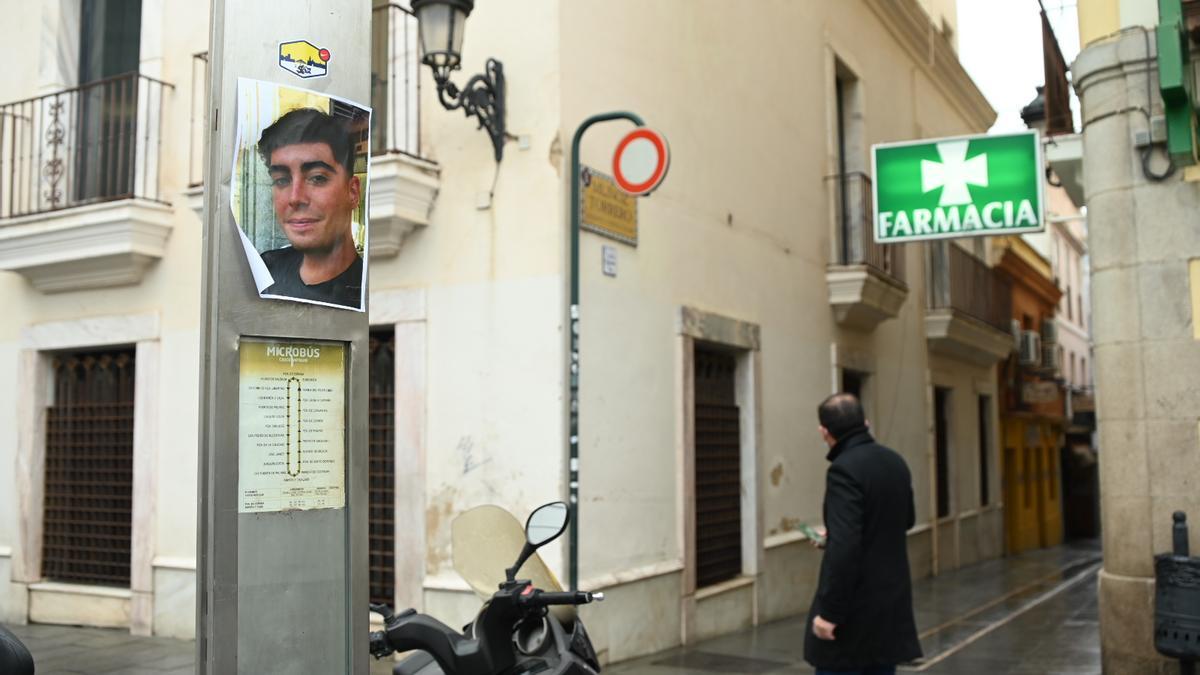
{"points": [[482, 98]]}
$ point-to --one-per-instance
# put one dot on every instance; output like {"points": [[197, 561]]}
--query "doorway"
{"points": [[106, 126], [941, 405], [718, 514]]}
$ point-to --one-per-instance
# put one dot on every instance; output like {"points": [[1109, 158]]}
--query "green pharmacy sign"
{"points": [[958, 187]]}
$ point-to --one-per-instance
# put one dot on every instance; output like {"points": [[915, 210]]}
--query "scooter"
{"points": [[14, 657], [526, 626]]}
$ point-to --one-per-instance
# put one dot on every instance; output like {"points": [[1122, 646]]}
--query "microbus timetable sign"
{"points": [[958, 187]]}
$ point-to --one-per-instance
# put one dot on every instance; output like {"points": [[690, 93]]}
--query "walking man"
{"points": [[861, 621]]}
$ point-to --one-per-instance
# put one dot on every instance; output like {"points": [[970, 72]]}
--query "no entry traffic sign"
{"points": [[641, 161]]}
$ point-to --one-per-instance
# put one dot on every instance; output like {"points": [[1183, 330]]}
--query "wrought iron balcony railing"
{"points": [[96, 142], [962, 282], [856, 243]]}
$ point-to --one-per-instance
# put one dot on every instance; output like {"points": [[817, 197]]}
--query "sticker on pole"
{"points": [[641, 161], [303, 58]]}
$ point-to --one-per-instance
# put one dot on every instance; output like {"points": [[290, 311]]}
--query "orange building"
{"points": [[1032, 402]]}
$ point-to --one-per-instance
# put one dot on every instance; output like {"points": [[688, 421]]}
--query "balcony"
{"points": [[866, 285], [403, 183], [80, 204], [970, 307]]}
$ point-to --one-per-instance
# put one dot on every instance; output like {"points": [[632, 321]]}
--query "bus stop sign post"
{"points": [[281, 571]]}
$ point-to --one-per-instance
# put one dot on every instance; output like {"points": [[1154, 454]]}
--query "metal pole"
{"points": [[282, 589], [573, 316]]}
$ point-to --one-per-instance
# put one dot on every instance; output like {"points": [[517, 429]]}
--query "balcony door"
{"points": [[107, 100], [395, 79]]}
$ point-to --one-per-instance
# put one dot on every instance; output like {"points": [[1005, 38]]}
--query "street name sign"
{"points": [[607, 209], [958, 187]]}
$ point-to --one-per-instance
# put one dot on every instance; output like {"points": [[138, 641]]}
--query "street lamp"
{"points": [[442, 23]]}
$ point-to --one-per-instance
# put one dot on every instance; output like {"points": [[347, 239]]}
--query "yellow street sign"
{"points": [[606, 208]]}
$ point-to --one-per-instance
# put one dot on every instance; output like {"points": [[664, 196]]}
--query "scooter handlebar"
{"points": [[383, 611], [566, 598], [379, 645]]}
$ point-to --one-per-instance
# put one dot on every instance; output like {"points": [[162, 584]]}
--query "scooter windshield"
{"points": [[486, 541]]}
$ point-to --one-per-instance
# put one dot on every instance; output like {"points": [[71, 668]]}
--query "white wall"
{"points": [[170, 289], [494, 295], [741, 228]]}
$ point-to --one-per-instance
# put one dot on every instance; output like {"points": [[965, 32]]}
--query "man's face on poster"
{"points": [[314, 196]]}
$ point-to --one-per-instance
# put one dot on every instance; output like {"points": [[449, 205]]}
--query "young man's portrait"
{"points": [[300, 194]]}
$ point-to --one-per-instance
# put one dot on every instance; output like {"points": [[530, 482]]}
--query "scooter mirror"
{"points": [[546, 523]]}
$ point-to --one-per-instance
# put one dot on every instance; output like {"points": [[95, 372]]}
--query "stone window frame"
{"points": [[743, 338], [840, 64], [34, 381], [405, 312]]}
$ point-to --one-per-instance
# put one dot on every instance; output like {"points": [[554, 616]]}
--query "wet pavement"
{"points": [[1030, 614], [72, 650]]}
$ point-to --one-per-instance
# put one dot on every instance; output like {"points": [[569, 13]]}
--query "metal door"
{"points": [[86, 536], [718, 475], [382, 477]]}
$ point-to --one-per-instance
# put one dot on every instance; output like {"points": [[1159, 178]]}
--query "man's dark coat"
{"points": [[864, 586]]}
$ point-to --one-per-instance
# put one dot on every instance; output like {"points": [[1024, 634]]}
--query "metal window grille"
{"points": [[382, 476], [985, 407], [718, 470], [941, 402], [89, 469]]}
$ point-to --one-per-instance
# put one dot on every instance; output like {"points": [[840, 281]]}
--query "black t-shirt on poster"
{"points": [[284, 264]]}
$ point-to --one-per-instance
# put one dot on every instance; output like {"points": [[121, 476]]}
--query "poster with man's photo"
{"points": [[299, 193]]}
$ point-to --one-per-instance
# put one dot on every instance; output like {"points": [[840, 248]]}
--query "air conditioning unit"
{"points": [[1031, 348], [1051, 362], [1049, 331]]}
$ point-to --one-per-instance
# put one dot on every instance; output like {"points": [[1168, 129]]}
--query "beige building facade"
{"points": [[753, 292]]}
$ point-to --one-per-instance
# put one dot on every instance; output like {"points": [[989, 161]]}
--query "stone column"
{"points": [[1142, 233]]}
